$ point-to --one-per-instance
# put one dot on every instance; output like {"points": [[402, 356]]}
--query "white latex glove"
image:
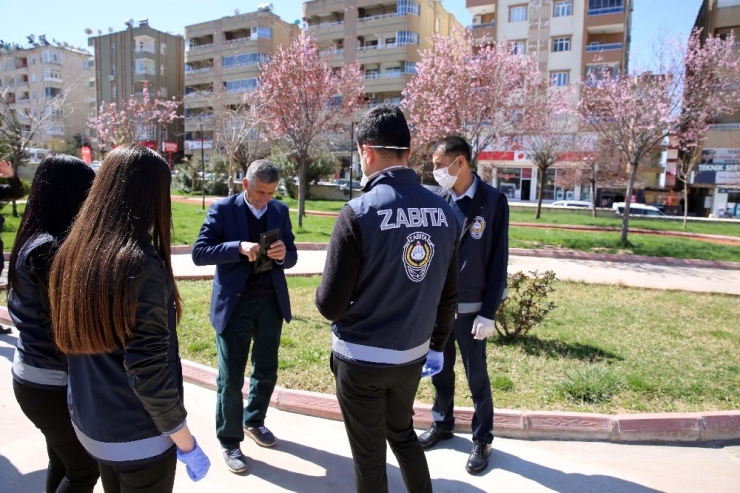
{"points": [[482, 328]]}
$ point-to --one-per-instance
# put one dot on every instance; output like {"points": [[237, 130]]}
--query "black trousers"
{"points": [[377, 404], [71, 469], [473, 355], [149, 477]]}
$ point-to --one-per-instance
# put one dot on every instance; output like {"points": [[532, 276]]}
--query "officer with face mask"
{"points": [[483, 215]]}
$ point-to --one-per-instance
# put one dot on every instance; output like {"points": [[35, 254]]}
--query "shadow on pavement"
{"points": [[338, 473], [561, 481], [13, 480], [10, 340]]}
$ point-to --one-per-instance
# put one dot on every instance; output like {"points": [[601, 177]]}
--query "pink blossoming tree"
{"points": [[466, 89], [549, 130], [711, 88], [300, 96], [133, 119], [635, 111]]}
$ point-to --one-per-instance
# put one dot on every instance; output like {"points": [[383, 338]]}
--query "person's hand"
{"points": [[277, 251], [6, 170], [249, 250], [435, 361], [196, 462], [482, 328]]}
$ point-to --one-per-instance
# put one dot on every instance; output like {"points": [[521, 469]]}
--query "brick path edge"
{"points": [[534, 425]]}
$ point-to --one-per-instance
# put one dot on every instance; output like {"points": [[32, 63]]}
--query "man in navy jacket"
{"points": [[483, 216], [248, 305]]}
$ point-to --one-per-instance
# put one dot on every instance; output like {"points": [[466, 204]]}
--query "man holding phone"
{"points": [[248, 236]]}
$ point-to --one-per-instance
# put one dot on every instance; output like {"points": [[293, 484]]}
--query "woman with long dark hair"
{"points": [[39, 369], [115, 307]]}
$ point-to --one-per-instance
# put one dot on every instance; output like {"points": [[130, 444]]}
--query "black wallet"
{"points": [[263, 262]]}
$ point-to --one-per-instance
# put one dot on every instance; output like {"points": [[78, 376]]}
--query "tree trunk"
{"points": [[593, 197], [685, 201], [541, 190], [627, 202], [302, 189], [15, 209], [231, 174]]}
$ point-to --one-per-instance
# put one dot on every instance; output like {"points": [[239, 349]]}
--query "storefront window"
{"points": [[733, 205], [508, 182]]}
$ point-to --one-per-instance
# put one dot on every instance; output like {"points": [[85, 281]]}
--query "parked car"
{"points": [[636, 209], [572, 203]]}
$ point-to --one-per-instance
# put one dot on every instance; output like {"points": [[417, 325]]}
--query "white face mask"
{"points": [[444, 178]]}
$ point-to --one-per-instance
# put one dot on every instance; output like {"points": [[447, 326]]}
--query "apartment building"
{"points": [[572, 40], [222, 60], [716, 185], [383, 36], [33, 76], [126, 61]]}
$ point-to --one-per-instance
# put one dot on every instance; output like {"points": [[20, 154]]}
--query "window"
{"points": [[602, 7], [407, 38], [559, 78], [519, 47], [518, 13], [245, 59], [409, 67], [50, 73], [34, 95], [561, 44], [264, 32], [87, 64], [163, 48], [33, 77], [563, 8], [52, 92], [242, 85], [405, 7], [33, 60], [51, 56]]}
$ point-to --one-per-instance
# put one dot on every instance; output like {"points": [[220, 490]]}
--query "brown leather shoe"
{"points": [[429, 438]]}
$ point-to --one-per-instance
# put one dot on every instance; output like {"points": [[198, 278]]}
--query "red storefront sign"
{"points": [[169, 147], [151, 144]]}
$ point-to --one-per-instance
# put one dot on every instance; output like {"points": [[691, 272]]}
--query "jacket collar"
{"points": [[401, 176]]}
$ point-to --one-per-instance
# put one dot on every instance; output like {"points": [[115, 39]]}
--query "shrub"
{"points": [[526, 305]]}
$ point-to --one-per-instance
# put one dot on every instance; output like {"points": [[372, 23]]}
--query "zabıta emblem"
{"points": [[477, 227], [417, 255]]}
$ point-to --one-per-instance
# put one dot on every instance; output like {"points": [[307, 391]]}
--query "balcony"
{"points": [[332, 52], [606, 11], [325, 25], [369, 18], [725, 126], [145, 49], [53, 78], [482, 26], [604, 47]]}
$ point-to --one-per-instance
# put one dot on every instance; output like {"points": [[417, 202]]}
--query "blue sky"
{"points": [[66, 21]]}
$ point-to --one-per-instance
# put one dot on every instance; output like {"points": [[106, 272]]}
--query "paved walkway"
{"points": [[312, 456], [637, 274]]}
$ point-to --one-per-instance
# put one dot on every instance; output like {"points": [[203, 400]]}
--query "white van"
{"points": [[636, 209], [572, 203]]}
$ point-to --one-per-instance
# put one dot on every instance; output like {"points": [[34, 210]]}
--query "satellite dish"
{"points": [[31, 38], [110, 29], [100, 32], [88, 31], [236, 11]]}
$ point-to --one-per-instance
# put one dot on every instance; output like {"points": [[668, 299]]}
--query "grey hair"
{"points": [[264, 171]]}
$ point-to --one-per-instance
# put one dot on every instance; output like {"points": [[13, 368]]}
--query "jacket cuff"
{"points": [[169, 421]]}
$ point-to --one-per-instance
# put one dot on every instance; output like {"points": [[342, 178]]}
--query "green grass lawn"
{"points": [[605, 349]]}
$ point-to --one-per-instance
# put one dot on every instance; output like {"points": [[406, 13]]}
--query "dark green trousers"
{"points": [[257, 323]]}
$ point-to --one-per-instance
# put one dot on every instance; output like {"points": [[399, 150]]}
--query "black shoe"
{"points": [[429, 438], [478, 459], [261, 435]]}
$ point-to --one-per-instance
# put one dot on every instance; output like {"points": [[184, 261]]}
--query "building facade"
{"points": [[572, 40], [715, 188], [383, 36], [222, 60], [126, 61], [46, 86]]}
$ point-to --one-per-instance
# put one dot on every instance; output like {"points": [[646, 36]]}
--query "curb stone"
{"points": [[533, 425]]}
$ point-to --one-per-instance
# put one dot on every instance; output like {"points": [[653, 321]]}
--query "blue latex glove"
{"points": [[196, 462], [434, 363]]}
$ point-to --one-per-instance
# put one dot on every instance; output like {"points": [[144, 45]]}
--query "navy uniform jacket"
{"points": [[390, 280], [218, 243], [484, 250]]}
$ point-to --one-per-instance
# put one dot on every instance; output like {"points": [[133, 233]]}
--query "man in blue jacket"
{"points": [[483, 216], [248, 304]]}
